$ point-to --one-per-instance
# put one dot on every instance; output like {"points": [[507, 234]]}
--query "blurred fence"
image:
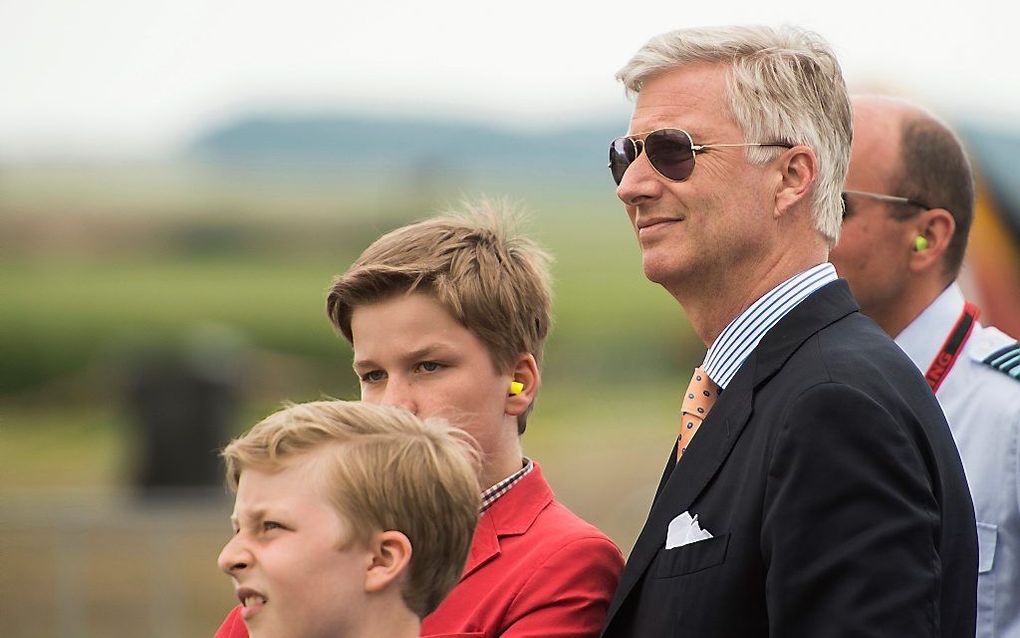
{"points": [[87, 564]]}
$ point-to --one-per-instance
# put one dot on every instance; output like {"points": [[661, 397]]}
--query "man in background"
{"points": [[909, 205]]}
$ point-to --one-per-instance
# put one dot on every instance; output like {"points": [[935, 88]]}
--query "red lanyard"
{"points": [[951, 349]]}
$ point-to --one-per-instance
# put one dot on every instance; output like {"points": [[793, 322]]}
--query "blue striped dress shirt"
{"points": [[742, 335]]}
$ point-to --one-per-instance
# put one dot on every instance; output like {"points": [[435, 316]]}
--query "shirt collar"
{"points": [[923, 338], [493, 494], [742, 335]]}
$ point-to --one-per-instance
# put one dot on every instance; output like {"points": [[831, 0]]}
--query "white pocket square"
{"points": [[684, 530]]}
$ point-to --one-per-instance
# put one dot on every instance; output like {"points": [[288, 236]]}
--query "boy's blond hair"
{"points": [[391, 471], [490, 279]]}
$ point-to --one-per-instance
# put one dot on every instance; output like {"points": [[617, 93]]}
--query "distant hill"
{"points": [[427, 150], [408, 145]]}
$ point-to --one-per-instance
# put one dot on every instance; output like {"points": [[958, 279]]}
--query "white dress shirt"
{"points": [[739, 339], [982, 406]]}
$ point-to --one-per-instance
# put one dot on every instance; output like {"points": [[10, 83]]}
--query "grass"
{"points": [[60, 446], [64, 313]]}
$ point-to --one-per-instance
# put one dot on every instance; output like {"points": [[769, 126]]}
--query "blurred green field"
{"points": [[162, 261]]}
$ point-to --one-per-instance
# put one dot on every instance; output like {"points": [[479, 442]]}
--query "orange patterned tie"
{"points": [[698, 400]]}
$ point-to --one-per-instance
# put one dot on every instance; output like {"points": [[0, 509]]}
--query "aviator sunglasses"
{"points": [[670, 151]]}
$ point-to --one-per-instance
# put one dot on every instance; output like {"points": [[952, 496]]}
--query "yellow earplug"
{"points": [[920, 243], [516, 387]]}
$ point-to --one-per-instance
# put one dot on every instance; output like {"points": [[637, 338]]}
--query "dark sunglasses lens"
{"points": [[621, 154], [670, 153]]}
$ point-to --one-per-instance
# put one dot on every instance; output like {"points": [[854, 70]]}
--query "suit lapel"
{"points": [[826, 306], [667, 472], [484, 546], [682, 484], [511, 515], [705, 453]]}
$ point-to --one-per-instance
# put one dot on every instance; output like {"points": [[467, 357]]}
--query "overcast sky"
{"points": [[116, 78]]}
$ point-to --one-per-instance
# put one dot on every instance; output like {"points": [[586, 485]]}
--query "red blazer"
{"points": [[535, 570]]}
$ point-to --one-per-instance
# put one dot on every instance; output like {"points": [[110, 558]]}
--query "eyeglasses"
{"points": [[670, 151], [889, 199]]}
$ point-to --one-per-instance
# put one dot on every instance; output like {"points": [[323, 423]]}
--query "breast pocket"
{"points": [[692, 557], [986, 533]]}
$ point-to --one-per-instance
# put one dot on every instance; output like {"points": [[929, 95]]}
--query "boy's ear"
{"points": [[525, 372], [390, 557]]}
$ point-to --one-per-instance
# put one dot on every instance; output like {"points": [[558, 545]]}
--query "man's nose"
{"points": [[640, 183]]}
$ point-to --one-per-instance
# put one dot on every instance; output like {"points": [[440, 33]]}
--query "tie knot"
{"points": [[701, 394]]}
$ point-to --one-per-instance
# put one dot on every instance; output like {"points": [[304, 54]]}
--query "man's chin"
{"points": [[656, 271]]}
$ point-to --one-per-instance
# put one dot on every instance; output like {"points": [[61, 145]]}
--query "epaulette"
{"points": [[1006, 360]]}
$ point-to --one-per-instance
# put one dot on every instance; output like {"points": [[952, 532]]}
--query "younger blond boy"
{"points": [[351, 520]]}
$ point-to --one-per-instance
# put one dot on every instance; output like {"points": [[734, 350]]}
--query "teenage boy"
{"points": [[351, 520], [448, 317]]}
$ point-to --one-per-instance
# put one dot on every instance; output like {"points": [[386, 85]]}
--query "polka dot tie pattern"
{"points": [[698, 400]]}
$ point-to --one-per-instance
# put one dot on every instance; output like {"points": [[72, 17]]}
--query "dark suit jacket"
{"points": [[836, 499]]}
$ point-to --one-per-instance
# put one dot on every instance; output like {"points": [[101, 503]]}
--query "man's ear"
{"points": [[525, 372], [798, 170], [936, 227], [390, 556]]}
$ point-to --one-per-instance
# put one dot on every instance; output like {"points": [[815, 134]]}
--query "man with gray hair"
{"points": [[909, 207], [814, 488]]}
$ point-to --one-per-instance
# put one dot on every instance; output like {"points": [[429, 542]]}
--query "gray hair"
{"points": [[784, 85]]}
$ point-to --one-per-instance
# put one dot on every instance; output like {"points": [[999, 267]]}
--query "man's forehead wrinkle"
{"points": [[670, 110], [667, 105], [692, 97], [694, 124]]}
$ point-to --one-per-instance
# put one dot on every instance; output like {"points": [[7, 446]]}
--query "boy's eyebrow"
{"points": [[423, 352], [363, 363], [256, 515]]}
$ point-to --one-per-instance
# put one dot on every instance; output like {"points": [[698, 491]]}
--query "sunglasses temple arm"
{"points": [[701, 147]]}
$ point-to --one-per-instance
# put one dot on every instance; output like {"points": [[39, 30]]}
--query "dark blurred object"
{"points": [[993, 259], [184, 405], [367, 146]]}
